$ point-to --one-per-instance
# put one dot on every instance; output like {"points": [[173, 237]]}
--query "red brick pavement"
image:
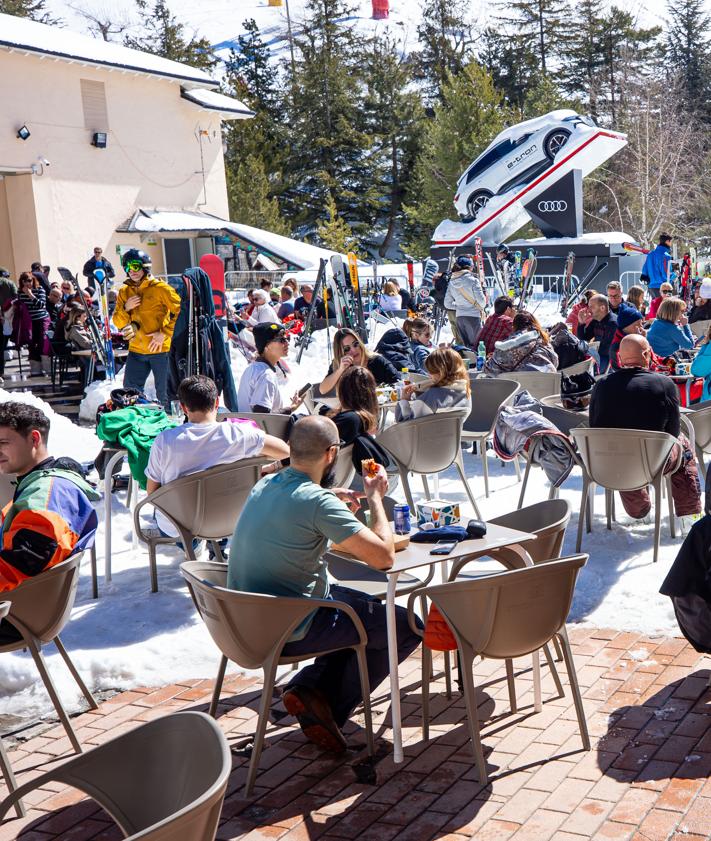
{"points": [[646, 778]]}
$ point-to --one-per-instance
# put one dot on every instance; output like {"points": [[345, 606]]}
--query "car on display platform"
{"points": [[515, 157]]}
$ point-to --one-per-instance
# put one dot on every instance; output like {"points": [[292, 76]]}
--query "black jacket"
{"points": [[603, 332], [633, 398], [90, 265], [395, 347]]}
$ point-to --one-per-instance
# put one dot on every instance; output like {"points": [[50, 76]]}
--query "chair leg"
{"points": [[52, 691], [517, 468], [460, 468], [525, 481], [591, 507], [670, 500], [264, 706], [218, 686], [575, 689], [512, 685], [583, 512], [94, 574], [553, 670], [608, 508], [91, 701], [447, 675], [426, 671], [558, 652], [657, 517], [426, 487], [484, 465], [153, 565], [467, 664], [365, 692], [10, 781]]}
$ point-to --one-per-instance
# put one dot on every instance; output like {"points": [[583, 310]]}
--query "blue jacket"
{"points": [[665, 337], [655, 266], [701, 367]]}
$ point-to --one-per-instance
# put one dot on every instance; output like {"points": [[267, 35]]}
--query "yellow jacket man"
{"points": [[146, 312]]}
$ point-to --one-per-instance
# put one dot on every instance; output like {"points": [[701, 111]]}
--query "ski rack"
{"points": [[96, 338], [593, 272]]}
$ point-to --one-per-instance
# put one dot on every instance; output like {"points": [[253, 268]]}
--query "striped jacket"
{"points": [[50, 517]]}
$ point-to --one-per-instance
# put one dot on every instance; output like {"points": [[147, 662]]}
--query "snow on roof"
{"points": [[231, 109], [29, 36], [292, 251]]}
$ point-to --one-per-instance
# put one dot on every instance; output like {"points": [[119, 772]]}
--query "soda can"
{"points": [[401, 519]]}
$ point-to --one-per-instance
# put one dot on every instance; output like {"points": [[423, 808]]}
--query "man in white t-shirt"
{"points": [[203, 441], [259, 386]]}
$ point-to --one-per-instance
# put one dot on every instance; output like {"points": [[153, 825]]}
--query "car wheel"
{"points": [[476, 201], [555, 142]]}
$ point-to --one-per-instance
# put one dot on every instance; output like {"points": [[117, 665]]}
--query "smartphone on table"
{"points": [[443, 547]]}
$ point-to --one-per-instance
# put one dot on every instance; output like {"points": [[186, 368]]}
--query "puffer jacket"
{"points": [[469, 298], [523, 351], [569, 348], [158, 311]]}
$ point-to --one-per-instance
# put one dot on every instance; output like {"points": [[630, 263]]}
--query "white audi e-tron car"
{"points": [[515, 157]]}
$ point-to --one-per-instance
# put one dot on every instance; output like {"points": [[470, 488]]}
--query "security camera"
{"points": [[44, 161]]}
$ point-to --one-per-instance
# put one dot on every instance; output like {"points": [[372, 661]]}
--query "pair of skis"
{"points": [[102, 279], [97, 339]]}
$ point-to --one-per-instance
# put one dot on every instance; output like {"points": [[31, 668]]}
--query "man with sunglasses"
{"points": [[98, 261], [146, 312], [278, 547]]}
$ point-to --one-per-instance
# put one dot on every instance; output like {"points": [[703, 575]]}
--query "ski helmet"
{"points": [[464, 262], [502, 249], [136, 255]]}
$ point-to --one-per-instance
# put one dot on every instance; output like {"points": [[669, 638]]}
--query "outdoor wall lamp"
{"points": [[23, 132]]}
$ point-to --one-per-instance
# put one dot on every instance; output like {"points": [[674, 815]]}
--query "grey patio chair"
{"points": [[5, 767], [625, 460], [39, 610], [564, 420], [163, 781], [276, 425], [203, 505], [700, 420], [700, 328], [345, 471], [488, 396], [251, 629], [586, 366], [504, 616], [537, 383], [427, 445]]}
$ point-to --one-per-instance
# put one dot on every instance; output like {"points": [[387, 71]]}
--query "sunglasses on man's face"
{"points": [[134, 266], [283, 339]]}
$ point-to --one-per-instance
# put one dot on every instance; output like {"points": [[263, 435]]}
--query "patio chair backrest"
{"points": [[622, 459], [700, 328], [7, 489], [564, 419], [208, 504], [246, 627], [43, 603], [163, 780], [425, 445], [548, 520], [488, 396], [511, 613], [586, 366], [537, 383], [701, 422], [276, 425], [345, 471]]}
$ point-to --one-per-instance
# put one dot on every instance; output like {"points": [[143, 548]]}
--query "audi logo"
{"points": [[552, 206]]}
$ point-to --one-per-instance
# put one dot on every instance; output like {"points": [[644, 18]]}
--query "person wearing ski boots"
{"points": [[146, 312]]}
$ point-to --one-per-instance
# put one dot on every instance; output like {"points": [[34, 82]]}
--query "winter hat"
{"points": [[464, 262], [627, 316], [705, 288], [265, 333]]}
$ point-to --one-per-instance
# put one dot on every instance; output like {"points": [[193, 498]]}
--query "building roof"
{"points": [[291, 251], [231, 109], [28, 36]]}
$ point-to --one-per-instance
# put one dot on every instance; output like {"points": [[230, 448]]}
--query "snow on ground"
{"points": [[130, 637]]}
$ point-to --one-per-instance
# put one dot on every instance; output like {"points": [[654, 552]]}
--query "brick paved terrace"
{"points": [[648, 709]]}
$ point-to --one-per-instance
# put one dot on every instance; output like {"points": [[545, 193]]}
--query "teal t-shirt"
{"points": [[281, 535]]}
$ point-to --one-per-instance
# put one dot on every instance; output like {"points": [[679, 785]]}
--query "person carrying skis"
{"points": [[469, 300], [146, 312], [656, 265]]}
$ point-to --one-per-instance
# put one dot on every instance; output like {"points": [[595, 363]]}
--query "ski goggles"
{"points": [[133, 266]]}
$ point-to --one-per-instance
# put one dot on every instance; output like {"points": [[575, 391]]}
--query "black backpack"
{"points": [[440, 288]]}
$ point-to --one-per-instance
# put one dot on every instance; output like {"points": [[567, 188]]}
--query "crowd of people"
{"points": [[294, 511]]}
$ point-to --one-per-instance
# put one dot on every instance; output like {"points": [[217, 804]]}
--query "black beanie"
{"points": [[265, 333]]}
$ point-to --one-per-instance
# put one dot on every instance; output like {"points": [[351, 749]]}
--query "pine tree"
{"points": [[545, 96], [512, 63], [687, 50], [583, 60], [32, 9], [445, 36], [471, 115], [251, 202], [250, 71], [394, 118], [334, 232], [162, 34], [539, 25], [328, 147]]}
